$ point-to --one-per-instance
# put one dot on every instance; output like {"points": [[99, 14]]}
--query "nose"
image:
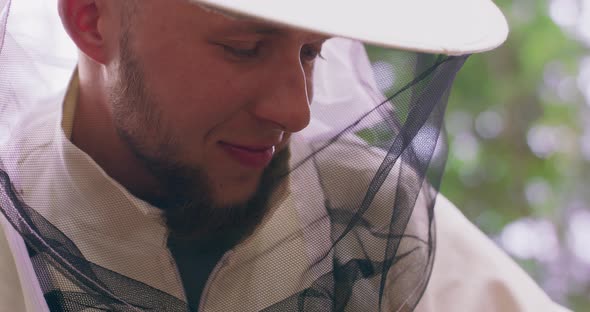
{"points": [[284, 97]]}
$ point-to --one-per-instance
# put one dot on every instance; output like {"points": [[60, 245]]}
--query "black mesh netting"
{"points": [[356, 232]]}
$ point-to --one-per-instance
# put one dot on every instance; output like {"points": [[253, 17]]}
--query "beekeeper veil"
{"points": [[357, 227]]}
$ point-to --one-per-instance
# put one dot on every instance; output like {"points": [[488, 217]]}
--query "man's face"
{"points": [[207, 102]]}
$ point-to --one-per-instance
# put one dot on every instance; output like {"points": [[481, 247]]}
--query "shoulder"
{"points": [[471, 273]]}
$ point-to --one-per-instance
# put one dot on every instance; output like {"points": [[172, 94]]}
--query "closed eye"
{"points": [[241, 53]]}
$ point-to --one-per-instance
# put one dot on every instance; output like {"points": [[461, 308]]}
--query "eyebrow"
{"points": [[252, 26]]}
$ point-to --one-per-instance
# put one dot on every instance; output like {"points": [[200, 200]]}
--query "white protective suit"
{"points": [[470, 273]]}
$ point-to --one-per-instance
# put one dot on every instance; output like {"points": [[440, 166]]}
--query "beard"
{"points": [[185, 192]]}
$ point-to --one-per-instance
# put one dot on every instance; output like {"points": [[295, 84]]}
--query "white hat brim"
{"points": [[452, 27]]}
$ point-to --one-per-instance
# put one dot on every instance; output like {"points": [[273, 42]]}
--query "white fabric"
{"points": [[470, 273], [11, 293], [453, 27], [344, 88]]}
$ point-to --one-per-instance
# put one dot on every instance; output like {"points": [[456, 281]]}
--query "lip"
{"points": [[251, 156]]}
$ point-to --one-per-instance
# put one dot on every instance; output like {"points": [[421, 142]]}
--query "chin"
{"points": [[230, 210], [236, 195]]}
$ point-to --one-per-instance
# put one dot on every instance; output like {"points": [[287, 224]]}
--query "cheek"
{"points": [[194, 96], [178, 75]]}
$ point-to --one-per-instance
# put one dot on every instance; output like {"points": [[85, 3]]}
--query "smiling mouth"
{"points": [[256, 157]]}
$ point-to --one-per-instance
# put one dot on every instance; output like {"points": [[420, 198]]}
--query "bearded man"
{"points": [[233, 156]]}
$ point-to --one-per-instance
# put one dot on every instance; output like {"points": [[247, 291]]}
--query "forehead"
{"points": [[241, 24], [227, 14], [181, 23]]}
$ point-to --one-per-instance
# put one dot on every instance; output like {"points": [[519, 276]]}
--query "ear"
{"points": [[82, 20]]}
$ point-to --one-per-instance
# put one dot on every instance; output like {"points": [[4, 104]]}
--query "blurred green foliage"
{"points": [[515, 123]]}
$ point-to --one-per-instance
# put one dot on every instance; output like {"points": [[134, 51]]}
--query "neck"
{"points": [[93, 132]]}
